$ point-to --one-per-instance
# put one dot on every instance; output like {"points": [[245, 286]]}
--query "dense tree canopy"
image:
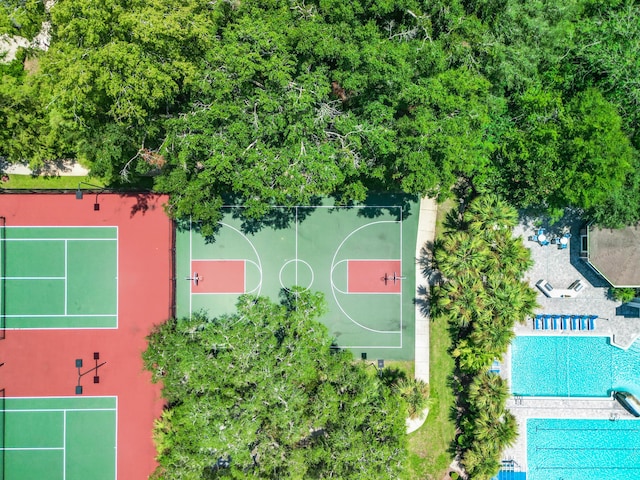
{"points": [[283, 101], [264, 391]]}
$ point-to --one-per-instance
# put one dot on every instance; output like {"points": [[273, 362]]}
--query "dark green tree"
{"points": [[262, 394]]}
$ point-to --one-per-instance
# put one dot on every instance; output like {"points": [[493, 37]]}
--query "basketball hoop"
{"points": [[195, 279]]}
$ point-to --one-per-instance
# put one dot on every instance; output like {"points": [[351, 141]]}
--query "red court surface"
{"points": [[368, 276], [42, 362], [218, 276]]}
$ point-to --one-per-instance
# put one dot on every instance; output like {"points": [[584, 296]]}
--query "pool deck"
{"points": [[560, 268]]}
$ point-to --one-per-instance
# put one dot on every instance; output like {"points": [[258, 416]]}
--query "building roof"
{"points": [[615, 253]]}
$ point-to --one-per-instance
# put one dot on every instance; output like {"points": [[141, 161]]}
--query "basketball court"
{"points": [[361, 258], [80, 288]]}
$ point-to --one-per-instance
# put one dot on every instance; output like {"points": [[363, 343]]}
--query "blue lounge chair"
{"points": [[564, 322], [545, 322], [536, 323], [575, 322], [555, 322], [584, 323], [592, 322]]}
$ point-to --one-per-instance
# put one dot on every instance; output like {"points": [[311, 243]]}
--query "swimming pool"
{"points": [[573, 367], [582, 449]]}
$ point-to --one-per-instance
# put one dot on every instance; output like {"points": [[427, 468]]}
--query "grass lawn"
{"points": [[429, 446], [29, 182]]}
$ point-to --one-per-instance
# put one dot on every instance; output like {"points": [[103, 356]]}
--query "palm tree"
{"points": [[509, 257], [488, 392], [491, 335], [461, 254], [488, 213]]}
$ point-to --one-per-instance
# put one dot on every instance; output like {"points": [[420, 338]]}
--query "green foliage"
{"points": [[21, 17], [482, 297], [264, 389], [415, 393], [561, 153], [623, 294]]}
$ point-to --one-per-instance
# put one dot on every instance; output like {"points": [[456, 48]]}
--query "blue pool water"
{"points": [[573, 367], [583, 449]]}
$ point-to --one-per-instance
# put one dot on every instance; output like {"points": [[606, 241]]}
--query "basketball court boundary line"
{"points": [[190, 263], [350, 207], [333, 288]]}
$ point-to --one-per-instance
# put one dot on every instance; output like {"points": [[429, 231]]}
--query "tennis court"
{"points": [[80, 289], [362, 258], [59, 438], [59, 277]]}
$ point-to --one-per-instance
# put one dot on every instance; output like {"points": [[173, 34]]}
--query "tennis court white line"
{"points": [[33, 278], [60, 328], [8, 449], [66, 270], [32, 410], [83, 397], [71, 239], [79, 227], [64, 445], [79, 315], [116, 442], [117, 275]]}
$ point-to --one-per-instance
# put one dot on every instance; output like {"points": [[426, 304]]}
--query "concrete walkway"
{"points": [[426, 233], [61, 168]]}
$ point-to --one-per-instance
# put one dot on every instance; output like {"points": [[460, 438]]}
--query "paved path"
{"points": [[426, 233], [58, 168]]}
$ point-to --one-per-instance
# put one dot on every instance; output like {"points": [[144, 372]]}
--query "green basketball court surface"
{"points": [[59, 438], [362, 258], [59, 277]]}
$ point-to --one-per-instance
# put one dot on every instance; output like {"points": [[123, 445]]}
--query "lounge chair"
{"points": [[545, 322], [536, 323], [575, 322]]}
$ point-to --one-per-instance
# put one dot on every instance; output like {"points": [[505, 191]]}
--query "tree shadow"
{"points": [[390, 376], [398, 205]]}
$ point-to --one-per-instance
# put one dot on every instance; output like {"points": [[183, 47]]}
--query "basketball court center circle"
{"points": [[302, 277]]}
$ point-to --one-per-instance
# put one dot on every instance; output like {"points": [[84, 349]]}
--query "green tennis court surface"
{"points": [[59, 277], [362, 258], [59, 438]]}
